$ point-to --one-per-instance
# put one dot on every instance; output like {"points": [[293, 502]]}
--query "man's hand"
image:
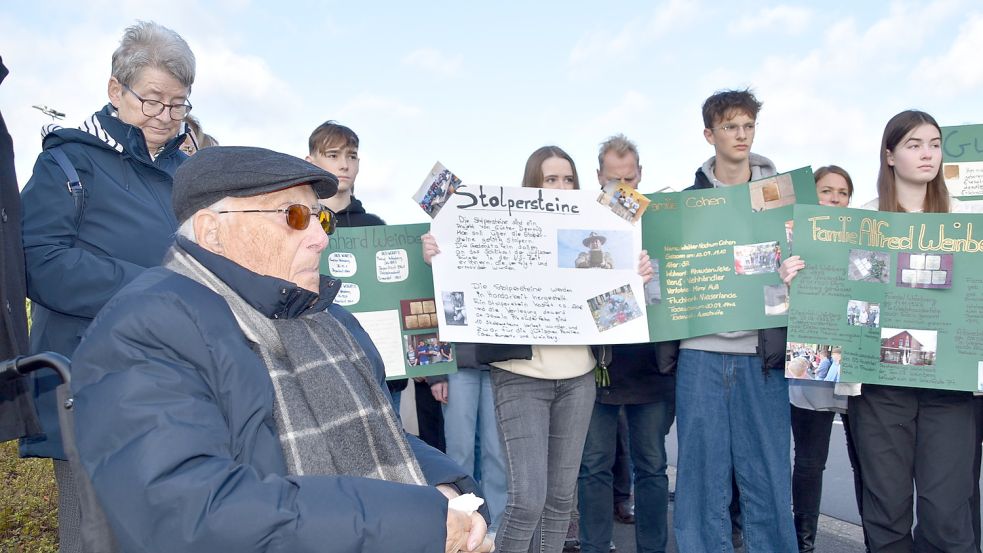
{"points": [[645, 269], [430, 248], [790, 267], [467, 533], [439, 391]]}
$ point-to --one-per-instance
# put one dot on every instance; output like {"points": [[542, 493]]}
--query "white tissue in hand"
{"points": [[468, 503]]}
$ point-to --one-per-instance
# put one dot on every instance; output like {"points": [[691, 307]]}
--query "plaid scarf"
{"points": [[330, 412]]}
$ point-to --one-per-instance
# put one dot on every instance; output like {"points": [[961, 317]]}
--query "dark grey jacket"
{"points": [[74, 266], [174, 423], [17, 416]]}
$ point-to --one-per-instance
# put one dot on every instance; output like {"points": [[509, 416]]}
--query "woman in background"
{"points": [[83, 244], [814, 405]]}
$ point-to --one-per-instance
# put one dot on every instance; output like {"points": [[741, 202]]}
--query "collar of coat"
{"points": [[105, 128], [273, 297]]}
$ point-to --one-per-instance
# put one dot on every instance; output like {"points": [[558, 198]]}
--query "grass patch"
{"points": [[28, 503]]}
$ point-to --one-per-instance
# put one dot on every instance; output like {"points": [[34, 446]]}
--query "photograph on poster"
{"points": [[863, 313], [776, 299], [771, 193], [819, 362], [754, 259], [869, 266], [439, 185], [426, 349], [921, 270], [614, 308], [900, 346], [624, 201], [594, 249], [653, 289], [455, 309], [418, 314]]}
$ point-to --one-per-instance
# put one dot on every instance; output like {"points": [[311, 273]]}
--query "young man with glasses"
{"points": [[732, 411]]}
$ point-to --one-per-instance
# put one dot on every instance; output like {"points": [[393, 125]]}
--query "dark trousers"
{"points": [[622, 464], [978, 416], [810, 432], [429, 416], [910, 438], [858, 479]]}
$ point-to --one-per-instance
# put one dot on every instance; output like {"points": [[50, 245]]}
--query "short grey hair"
{"points": [[149, 44], [187, 228], [621, 146]]}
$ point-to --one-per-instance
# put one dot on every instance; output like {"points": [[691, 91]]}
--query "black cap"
{"points": [[241, 171]]}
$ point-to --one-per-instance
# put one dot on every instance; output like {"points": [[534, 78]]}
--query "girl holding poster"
{"points": [[814, 405], [911, 438], [543, 403]]}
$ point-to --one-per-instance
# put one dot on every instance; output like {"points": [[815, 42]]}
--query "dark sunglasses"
{"points": [[299, 216]]}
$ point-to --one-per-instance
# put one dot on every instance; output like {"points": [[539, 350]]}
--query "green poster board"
{"points": [[901, 294], [389, 288], [716, 252], [962, 160]]}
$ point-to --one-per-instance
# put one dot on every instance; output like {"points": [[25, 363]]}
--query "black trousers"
{"points": [[810, 432], [429, 417], [911, 438], [978, 416]]}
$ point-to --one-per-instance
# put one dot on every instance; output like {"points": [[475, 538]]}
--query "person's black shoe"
{"points": [[624, 513]]}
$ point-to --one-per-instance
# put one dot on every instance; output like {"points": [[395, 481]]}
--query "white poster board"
{"points": [[537, 266]]}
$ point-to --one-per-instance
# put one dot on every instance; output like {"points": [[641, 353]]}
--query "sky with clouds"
{"points": [[479, 86]]}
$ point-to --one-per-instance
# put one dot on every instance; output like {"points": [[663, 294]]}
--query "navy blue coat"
{"points": [[174, 423], [73, 268]]}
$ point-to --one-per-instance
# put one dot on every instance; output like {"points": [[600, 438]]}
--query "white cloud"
{"points": [[598, 45], [782, 18], [630, 108], [956, 71], [433, 61]]}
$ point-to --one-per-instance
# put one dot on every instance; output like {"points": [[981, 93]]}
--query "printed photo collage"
{"points": [[421, 345], [898, 346]]}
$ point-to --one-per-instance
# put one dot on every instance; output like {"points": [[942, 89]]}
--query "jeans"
{"points": [[732, 419], [470, 411], [622, 465], [908, 440], [648, 425], [542, 424]]}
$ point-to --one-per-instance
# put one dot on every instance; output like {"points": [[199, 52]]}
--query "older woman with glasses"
{"points": [[85, 240]]}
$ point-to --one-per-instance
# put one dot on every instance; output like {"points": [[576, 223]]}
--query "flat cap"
{"points": [[241, 171]]}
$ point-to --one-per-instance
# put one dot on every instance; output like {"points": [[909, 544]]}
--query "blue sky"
{"points": [[479, 86]]}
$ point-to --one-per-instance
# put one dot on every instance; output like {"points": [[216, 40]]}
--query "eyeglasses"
{"points": [[731, 129], [299, 216], [153, 108]]}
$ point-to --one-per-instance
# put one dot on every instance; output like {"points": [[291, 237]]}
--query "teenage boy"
{"points": [[731, 398], [646, 397], [334, 148]]}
